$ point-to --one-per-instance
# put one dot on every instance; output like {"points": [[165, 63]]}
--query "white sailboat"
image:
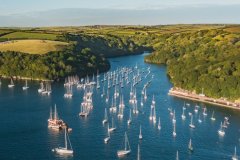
{"points": [[98, 85], [113, 107], [130, 117], [106, 140], [105, 120], [174, 117], [191, 125], [174, 130], [68, 94], [107, 96], [103, 92], [64, 150], [145, 94], [154, 118], [151, 114], [190, 147], [113, 128], [183, 114], [159, 124], [126, 149], [205, 111], [11, 85], [41, 89], [196, 109], [235, 157], [213, 118], [140, 133], [221, 131], [141, 101], [26, 86], [199, 119]]}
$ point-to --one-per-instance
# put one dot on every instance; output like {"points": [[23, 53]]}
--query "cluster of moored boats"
{"points": [[117, 81]]}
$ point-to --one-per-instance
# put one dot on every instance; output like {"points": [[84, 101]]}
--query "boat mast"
{"points": [[55, 113], [125, 141], [138, 157], [50, 117], [65, 138]]}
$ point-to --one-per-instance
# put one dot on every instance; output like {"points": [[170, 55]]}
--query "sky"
{"points": [[44, 12]]}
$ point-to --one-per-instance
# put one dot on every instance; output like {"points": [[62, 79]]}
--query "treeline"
{"points": [[107, 45], [51, 66], [208, 59]]}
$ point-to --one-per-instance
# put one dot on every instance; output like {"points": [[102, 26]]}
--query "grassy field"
{"points": [[33, 46], [2, 31], [29, 35]]}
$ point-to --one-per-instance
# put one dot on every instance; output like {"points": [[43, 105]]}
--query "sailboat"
{"points": [[98, 85], [103, 92], [54, 122], [174, 117], [199, 119], [26, 86], [130, 117], [174, 130], [183, 114], [205, 111], [113, 107], [105, 120], [191, 125], [221, 132], [190, 147], [64, 150], [145, 94], [151, 113], [235, 157], [138, 155], [141, 101], [159, 124], [154, 115], [108, 137], [11, 85], [41, 89], [140, 133], [126, 149], [196, 109], [213, 118], [69, 92], [113, 128], [107, 97]]}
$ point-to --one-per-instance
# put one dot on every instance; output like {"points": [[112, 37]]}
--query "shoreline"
{"points": [[180, 93], [25, 78]]}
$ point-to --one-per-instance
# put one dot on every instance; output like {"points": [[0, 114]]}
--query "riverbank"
{"points": [[178, 92], [26, 78]]}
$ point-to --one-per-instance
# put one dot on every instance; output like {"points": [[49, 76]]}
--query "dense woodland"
{"points": [[197, 56], [208, 59], [54, 65], [107, 45]]}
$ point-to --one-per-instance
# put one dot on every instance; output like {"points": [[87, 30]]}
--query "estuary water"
{"points": [[24, 132]]}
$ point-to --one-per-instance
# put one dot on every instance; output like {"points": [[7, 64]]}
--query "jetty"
{"points": [[181, 93]]}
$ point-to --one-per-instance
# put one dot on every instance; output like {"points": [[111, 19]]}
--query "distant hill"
{"points": [[212, 14]]}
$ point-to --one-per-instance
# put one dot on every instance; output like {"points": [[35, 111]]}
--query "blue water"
{"points": [[24, 133]]}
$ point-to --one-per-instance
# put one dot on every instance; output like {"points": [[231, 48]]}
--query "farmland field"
{"points": [[33, 46], [29, 35]]}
